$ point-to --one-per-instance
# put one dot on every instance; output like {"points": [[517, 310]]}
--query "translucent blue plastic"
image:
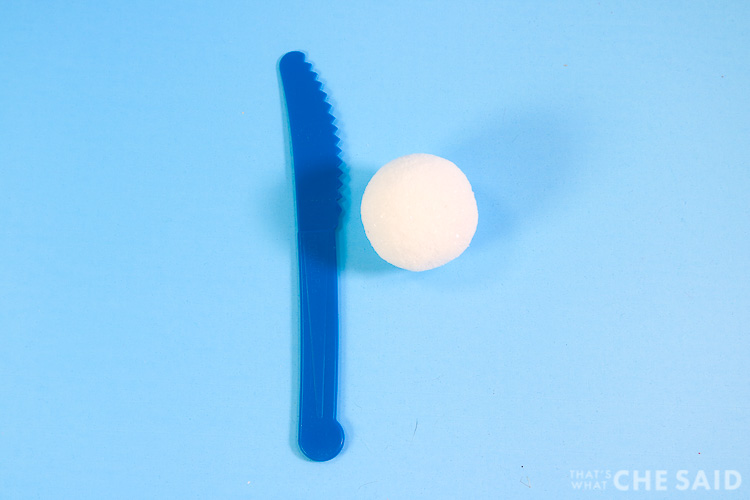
{"points": [[317, 168]]}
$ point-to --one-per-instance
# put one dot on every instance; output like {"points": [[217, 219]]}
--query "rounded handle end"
{"points": [[320, 440]]}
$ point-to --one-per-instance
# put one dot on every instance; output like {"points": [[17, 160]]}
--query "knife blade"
{"points": [[317, 168]]}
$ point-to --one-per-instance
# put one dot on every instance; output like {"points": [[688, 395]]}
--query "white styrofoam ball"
{"points": [[419, 212]]}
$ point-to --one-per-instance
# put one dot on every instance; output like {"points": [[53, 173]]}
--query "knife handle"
{"points": [[320, 434]]}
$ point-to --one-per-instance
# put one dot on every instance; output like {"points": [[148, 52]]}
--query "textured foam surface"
{"points": [[419, 212]]}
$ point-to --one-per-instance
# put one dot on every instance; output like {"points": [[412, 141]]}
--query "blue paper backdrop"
{"points": [[148, 301]]}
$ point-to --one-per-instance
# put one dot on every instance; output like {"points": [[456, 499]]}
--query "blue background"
{"points": [[148, 283]]}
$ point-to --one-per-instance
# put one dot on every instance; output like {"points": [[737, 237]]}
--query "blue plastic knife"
{"points": [[317, 168]]}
